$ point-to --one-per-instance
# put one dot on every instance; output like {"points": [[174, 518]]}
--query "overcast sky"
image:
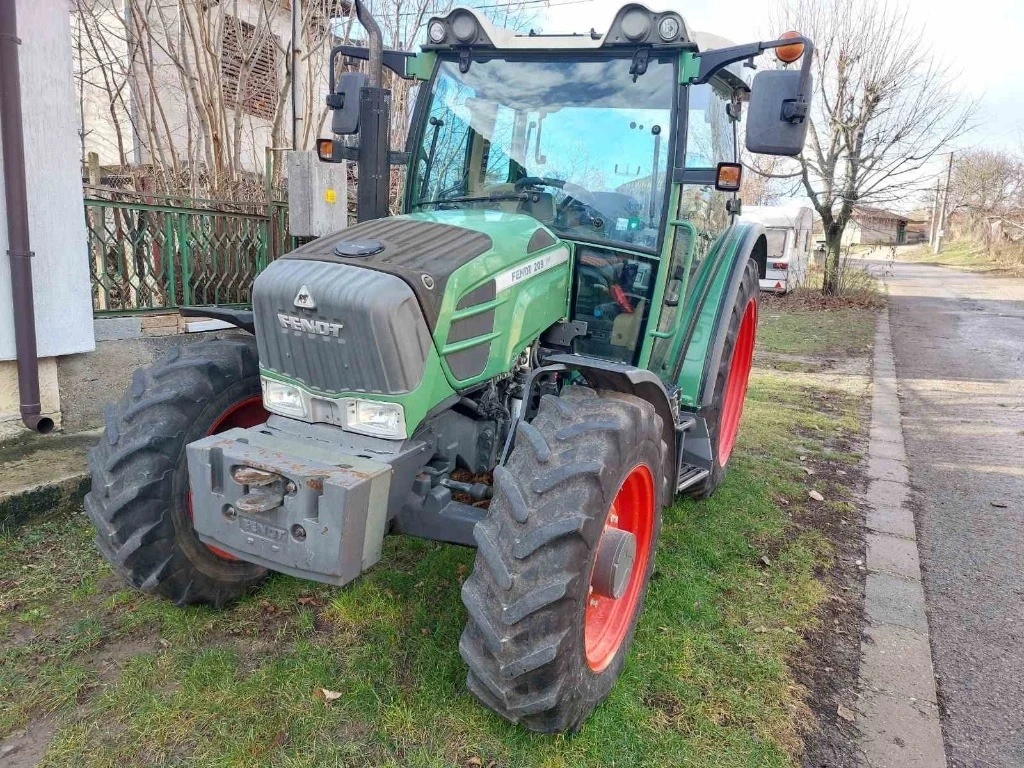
{"points": [[981, 39]]}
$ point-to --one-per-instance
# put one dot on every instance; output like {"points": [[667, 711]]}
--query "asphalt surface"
{"points": [[959, 345]]}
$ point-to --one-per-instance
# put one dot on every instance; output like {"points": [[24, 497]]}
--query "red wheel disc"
{"points": [[247, 412], [736, 384], [606, 620]]}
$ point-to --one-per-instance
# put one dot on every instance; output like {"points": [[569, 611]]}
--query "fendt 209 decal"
{"points": [[529, 269]]}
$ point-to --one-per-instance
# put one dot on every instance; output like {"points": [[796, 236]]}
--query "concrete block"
{"points": [[893, 600], [892, 519], [882, 493], [117, 328], [888, 450], [886, 433], [880, 468], [899, 661], [897, 733], [891, 554]]}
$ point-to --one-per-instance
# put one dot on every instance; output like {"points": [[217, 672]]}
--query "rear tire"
{"points": [[541, 648], [731, 388], [139, 500]]}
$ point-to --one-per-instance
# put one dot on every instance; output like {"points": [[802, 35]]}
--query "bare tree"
{"points": [[193, 92], [884, 105], [986, 195], [187, 95]]}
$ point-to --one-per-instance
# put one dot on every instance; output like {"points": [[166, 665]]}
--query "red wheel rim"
{"points": [[247, 412], [606, 620], [736, 384]]}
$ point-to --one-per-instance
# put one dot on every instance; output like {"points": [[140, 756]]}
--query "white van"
{"points": [[788, 228]]}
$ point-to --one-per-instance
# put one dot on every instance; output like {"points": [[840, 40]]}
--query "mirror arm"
{"points": [[396, 61], [714, 61]]}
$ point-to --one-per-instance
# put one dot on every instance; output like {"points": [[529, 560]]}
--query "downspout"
{"points": [[17, 222]]}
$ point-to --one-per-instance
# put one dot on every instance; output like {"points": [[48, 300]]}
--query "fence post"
{"points": [[96, 218], [186, 262]]}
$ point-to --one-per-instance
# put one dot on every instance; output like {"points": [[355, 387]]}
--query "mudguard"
{"points": [[620, 377], [708, 306]]}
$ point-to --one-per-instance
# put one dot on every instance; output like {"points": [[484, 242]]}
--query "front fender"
{"points": [[620, 377]]}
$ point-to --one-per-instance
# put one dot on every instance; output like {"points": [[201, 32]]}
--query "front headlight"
{"points": [[376, 419], [283, 399]]}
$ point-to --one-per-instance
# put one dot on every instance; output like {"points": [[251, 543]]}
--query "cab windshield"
{"points": [[577, 144]]}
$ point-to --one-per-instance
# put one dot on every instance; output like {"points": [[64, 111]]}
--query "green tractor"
{"points": [[549, 344]]}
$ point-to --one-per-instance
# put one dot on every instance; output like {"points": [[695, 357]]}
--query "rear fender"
{"points": [[706, 343]]}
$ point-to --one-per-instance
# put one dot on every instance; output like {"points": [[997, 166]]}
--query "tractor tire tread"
{"points": [[523, 641], [137, 465]]}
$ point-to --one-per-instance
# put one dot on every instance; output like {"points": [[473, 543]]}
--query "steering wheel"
{"points": [[539, 181]]}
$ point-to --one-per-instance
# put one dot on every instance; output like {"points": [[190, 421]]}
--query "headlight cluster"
{"points": [[365, 417]]}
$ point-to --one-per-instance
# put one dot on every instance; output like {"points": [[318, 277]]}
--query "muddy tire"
{"points": [[139, 500], [543, 649], [723, 416]]}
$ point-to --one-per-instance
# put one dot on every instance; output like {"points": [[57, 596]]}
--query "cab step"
{"points": [[690, 475]]}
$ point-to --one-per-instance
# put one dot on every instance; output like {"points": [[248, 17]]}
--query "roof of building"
{"points": [[878, 213]]}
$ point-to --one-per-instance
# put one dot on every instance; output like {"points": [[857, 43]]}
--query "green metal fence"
{"points": [[178, 253]]}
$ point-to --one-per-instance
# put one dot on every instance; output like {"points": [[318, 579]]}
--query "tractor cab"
{"points": [[623, 145]]}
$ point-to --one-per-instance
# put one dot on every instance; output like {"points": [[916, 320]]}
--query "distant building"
{"points": [[876, 226]]}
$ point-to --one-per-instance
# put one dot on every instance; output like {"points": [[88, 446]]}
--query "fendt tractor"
{"points": [[550, 343]]}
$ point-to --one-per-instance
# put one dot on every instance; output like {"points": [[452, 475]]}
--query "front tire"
{"points": [[731, 379], [542, 646], [140, 499]]}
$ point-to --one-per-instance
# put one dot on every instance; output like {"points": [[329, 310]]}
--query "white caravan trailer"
{"points": [[788, 228]]}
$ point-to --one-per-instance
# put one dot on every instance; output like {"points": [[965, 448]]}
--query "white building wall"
{"points": [[60, 269]]}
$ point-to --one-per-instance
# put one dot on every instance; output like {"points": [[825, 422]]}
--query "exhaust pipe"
{"points": [[18, 248], [375, 47]]}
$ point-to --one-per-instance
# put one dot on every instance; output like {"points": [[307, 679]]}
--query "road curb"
{"points": [[899, 716]]}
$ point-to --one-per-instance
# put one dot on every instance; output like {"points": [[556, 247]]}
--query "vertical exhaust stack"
{"points": [[373, 193], [18, 247], [375, 45]]}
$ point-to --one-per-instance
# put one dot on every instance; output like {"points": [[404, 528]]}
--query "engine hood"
{"points": [[424, 249]]}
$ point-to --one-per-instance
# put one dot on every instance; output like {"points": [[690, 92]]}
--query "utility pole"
{"points": [[945, 206], [935, 210]]}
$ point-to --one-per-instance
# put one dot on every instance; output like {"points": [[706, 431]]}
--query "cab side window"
{"points": [[710, 140]]}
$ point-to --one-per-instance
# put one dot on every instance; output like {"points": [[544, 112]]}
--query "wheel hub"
{"points": [[620, 568], [614, 564]]}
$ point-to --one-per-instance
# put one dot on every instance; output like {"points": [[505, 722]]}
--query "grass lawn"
{"points": [[114, 678], [964, 254]]}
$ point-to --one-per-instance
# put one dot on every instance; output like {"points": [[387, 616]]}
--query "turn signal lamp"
{"points": [[325, 150], [728, 177], [787, 54]]}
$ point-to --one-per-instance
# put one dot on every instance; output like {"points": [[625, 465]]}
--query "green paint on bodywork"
{"points": [[689, 67], [657, 300], [703, 302], [522, 311], [433, 389], [421, 66]]}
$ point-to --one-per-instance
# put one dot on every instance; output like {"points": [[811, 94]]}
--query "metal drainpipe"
{"points": [[17, 222]]}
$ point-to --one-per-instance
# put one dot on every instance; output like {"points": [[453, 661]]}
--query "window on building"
{"points": [[248, 68]]}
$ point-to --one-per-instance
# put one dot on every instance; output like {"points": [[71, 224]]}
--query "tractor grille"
{"points": [[381, 346]]}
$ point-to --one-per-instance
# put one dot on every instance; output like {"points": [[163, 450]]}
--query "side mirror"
{"points": [[777, 115], [345, 102]]}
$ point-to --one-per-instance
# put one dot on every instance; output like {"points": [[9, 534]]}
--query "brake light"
{"points": [[780, 265]]}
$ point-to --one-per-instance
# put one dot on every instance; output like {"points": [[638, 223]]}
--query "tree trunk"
{"points": [[833, 247]]}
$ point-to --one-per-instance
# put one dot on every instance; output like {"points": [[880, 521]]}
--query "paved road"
{"points": [[959, 344]]}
